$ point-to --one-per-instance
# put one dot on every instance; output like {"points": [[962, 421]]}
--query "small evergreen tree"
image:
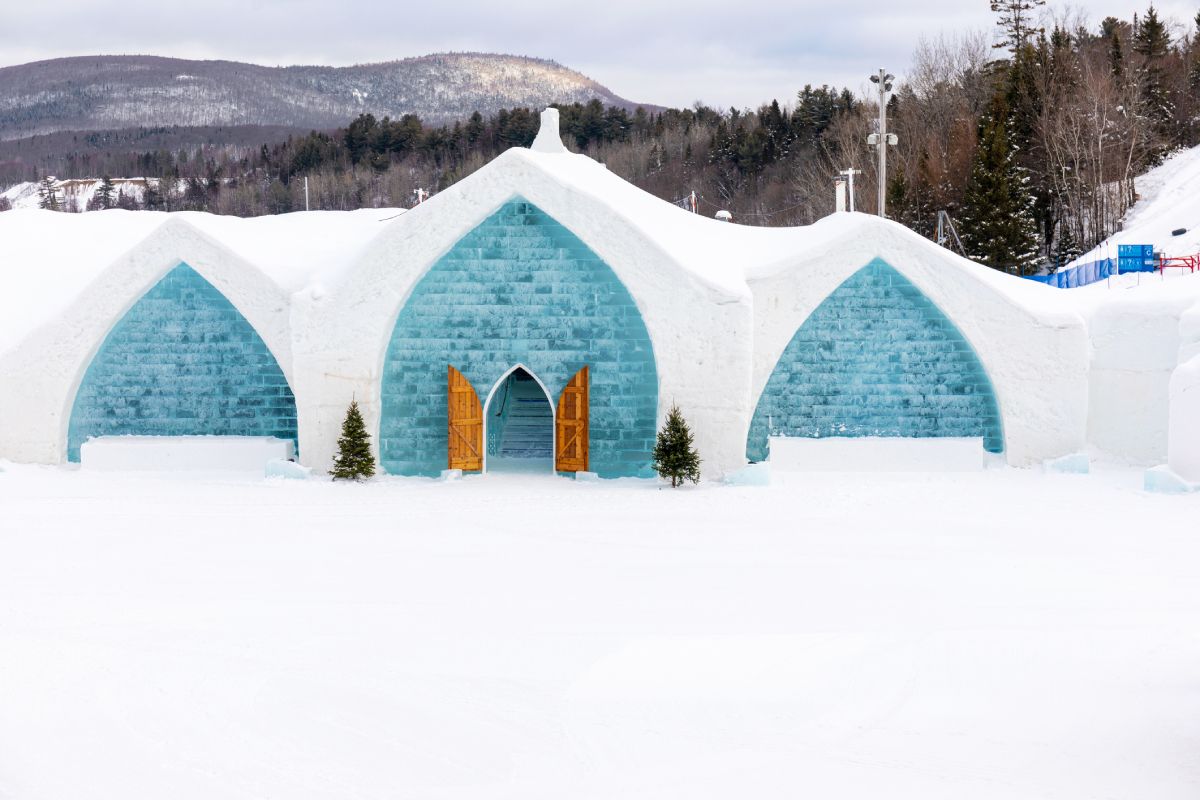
{"points": [[354, 460], [674, 456]]}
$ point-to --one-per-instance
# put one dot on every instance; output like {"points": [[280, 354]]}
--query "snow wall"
{"points": [[1033, 351], [1183, 447], [876, 358], [182, 362], [699, 313], [41, 373]]}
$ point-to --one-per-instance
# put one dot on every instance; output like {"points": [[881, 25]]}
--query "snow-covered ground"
{"points": [[1168, 201], [999, 634]]}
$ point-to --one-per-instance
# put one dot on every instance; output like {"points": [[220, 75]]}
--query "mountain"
{"points": [[89, 93]]}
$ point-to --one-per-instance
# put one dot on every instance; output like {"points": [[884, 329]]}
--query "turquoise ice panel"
{"points": [[519, 289], [183, 361], [877, 358]]}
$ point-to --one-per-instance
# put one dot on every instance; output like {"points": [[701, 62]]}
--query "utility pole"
{"points": [[850, 173], [883, 139]]}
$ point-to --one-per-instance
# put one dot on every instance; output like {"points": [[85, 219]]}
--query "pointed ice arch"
{"points": [[182, 361], [877, 358], [519, 288]]}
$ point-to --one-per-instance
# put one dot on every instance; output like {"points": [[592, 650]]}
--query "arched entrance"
{"points": [[518, 422], [519, 289]]}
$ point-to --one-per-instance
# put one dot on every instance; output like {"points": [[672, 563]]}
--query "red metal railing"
{"points": [[1190, 263]]}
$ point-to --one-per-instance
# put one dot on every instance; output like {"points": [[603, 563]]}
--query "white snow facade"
{"points": [[544, 308]]}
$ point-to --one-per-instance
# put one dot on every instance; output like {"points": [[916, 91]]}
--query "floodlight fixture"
{"points": [[881, 140]]}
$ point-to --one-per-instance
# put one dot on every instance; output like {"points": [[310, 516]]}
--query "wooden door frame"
{"points": [[553, 415]]}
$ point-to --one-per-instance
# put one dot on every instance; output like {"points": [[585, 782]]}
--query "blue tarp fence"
{"points": [[1081, 275], [1130, 258]]}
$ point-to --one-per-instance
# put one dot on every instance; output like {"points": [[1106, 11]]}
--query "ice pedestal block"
{"points": [[290, 470], [1163, 480], [519, 289], [1077, 463], [182, 361], [750, 475], [877, 454], [171, 453], [876, 358]]}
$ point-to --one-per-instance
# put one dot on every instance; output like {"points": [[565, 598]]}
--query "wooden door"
{"points": [[466, 423], [571, 426]]}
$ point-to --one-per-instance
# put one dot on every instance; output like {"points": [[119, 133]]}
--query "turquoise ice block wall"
{"points": [[876, 358], [183, 361], [519, 288]]}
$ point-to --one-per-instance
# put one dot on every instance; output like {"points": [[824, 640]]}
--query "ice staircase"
{"points": [[529, 422]]}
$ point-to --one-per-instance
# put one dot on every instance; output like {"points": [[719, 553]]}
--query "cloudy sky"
{"points": [[725, 53]]}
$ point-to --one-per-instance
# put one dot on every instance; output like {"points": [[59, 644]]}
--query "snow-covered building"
{"points": [[541, 311]]}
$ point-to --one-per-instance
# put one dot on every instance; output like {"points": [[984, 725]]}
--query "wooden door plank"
{"points": [[571, 425], [465, 418]]}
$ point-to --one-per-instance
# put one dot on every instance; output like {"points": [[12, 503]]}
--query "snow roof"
{"points": [[50, 258]]}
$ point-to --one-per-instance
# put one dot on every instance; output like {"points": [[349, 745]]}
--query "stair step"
{"points": [[528, 426]]}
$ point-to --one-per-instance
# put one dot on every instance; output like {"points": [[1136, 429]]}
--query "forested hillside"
{"points": [[91, 93], [1029, 137]]}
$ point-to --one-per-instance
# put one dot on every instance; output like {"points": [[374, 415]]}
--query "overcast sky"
{"points": [[738, 53]]}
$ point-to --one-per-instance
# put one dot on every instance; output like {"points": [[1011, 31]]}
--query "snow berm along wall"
{"points": [[544, 259]]}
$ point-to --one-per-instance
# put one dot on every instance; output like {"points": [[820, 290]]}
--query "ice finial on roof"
{"points": [[548, 138]]}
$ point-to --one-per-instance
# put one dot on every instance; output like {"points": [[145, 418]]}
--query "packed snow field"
{"points": [[997, 634]]}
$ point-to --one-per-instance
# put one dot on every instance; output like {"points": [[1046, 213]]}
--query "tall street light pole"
{"points": [[882, 140]]}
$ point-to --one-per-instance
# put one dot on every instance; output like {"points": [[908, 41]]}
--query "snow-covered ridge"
{"points": [[103, 92]]}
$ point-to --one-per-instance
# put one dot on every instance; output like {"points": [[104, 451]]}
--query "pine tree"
{"points": [[1066, 247], [1152, 42], [998, 224], [354, 460], [1116, 56], [1015, 22], [152, 199], [48, 192], [674, 456], [104, 198]]}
